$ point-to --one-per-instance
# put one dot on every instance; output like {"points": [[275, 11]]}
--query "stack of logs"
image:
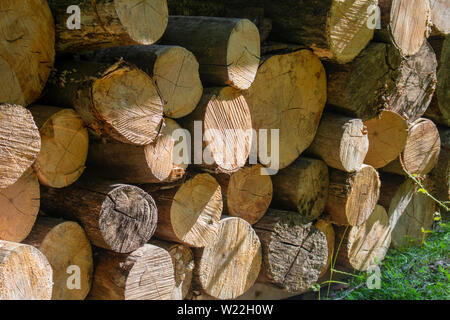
{"points": [[95, 202]]}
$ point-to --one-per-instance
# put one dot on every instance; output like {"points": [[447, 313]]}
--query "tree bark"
{"points": [[302, 187], [19, 206], [441, 172], [65, 245], [294, 251], [20, 143], [341, 142], [116, 101], [108, 23], [289, 95], [27, 50], [327, 228], [227, 49], [440, 17], [116, 217], [190, 213], [145, 274], [352, 196], [25, 273]]}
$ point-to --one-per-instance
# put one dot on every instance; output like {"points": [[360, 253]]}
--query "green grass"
{"points": [[414, 273]]}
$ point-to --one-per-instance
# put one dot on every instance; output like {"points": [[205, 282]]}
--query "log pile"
{"points": [[210, 149]]}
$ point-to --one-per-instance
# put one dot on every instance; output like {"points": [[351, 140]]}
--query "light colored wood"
{"points": [[64, 244], [387, 134], [352, 196], [145, 274], [302, 187], [262, 291], [365, 245], [294, 251], [289, 94], [229, 265], [109, 23], [116, 217], [190, 213], [19, 206], [227, 49], [341, 142], [247, 193], [27, 49], [25, 273], [64, 145], [20, 143], [226, 127], [440, 16], [441, 172], [327, 228], [174, 70], [421, 152], [117, 101]]}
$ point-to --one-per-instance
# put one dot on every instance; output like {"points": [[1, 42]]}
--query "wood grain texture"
{"points": [[440, 17], [441, 172], [328, 230]]}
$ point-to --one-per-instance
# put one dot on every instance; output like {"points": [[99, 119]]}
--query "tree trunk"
{"points": [[247, 193], [227, 49], [302, 187], [145, 274], [65, 246], [229, 265], [20, 143], [19, 206], [226, 129], [288, 95], [294, 251], [327, 228], [173, 69], [441, 172], [421, 152], [440, 17], [116, 217], [352, 196], [117, 101], [183, 265], [64, 146], [366, 245], [25, 273], [379, 78], [388, 134], [108, 23], [405, 24], [341, 142], [27, 49], [190, 213]]}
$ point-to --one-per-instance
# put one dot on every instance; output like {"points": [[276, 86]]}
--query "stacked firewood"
{"points": [[95, 202]]}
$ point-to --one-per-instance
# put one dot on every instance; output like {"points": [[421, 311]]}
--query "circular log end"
{"points": [[354, 145], [178, 142], [128, 218]]}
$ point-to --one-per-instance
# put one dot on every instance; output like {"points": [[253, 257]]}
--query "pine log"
{"points": [[108, 23], [116, 101], [25, 273], [405, 24], [289, 95], [247, 193], [327, 228], [352, 196], [27, 49], [65, 245], [440, 17], [145, 274], [20, 143], [183, 265], [294, 251], [173, 69], [190, 213], [19, 206], [229, 265], [226, 127], [379, 78], [387, 134], [302, 187], [441, 172], [64, 145], [116, 217], [395, 195], [341, 142], [227, 49], [421, 152], [366, 245]]}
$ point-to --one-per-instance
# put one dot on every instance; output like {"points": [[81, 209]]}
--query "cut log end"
{"points": [[327, 228], [440, 17]]}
